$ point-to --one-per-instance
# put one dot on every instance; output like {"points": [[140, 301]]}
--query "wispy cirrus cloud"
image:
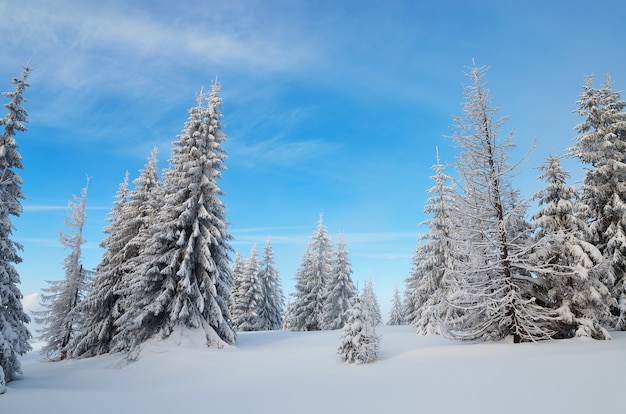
{"points": [[47, 208], [91, 39], [281, 151]]}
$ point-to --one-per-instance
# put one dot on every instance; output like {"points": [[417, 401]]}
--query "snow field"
{"points": [[300, 372]]}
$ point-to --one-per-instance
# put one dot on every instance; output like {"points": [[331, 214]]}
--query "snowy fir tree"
{"points": [[14, 334], [487, 288], [370, 301], [570, 279], [339, 290], [412, 301], [272, 299], [100, 307], [249, 296], [137, 215], [396, 314], [601, 143], [287, 319], [238, 274], [61, 317], [359, 342], [311, 280], [183, 279], [431, 257]]}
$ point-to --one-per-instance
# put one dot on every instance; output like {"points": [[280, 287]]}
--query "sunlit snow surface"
{"points": [[300, 372]]}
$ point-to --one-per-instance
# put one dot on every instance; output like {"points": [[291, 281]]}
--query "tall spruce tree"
{"points": [[311, 280], [183, 279], [570, 279], [486, 287], [238, 274], [62, 318], [250, 296], [340, 291], [601, 143], [432, 256], [101, 306], [14, 334], [273, 300]]}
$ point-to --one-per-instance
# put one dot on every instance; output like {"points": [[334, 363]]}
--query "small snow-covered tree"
{"points": [[601, 142], [272, 300], [311, 280], [370, 301], [287, 324], [183, 278], [250, 298], [359, 342], [572, 266], [14, 335], [339, 290], [61, 317], [396, 314]]}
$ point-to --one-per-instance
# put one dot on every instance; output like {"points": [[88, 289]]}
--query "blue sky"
{"points": [[334, 106]]}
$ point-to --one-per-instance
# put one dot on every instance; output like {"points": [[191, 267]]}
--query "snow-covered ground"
{"points": [[299, 372]]}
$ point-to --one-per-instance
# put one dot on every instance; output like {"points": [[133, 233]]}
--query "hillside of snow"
{"points": [[300, 372]]}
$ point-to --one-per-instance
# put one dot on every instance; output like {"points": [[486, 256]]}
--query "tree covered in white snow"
{"points": [[14, 334], [249, 296], [359, 342], [488, 285], [340, 290], [601, 143], [238, 275], [370, 301], [61, 316], [431, 257], [272, 299], [183, 278], [396, 314], [570, 278], [100, 307], [311, 280]]}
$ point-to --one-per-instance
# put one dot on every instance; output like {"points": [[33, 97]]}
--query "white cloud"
{"points": [[280, 151], [85, 43]]}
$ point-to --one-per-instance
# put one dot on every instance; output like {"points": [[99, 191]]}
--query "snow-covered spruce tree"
{"points": [[250, 296], [431, 256], [601, 143], [411, 282], [370, 301], [339, 290], [100, 307], [396, 314], [107, 299], [273, 299], [570, 279], [14, 335], [287, 319], [359, 342], [238, 274], [61, 317], [311, 279], [183, 277], [487, 289]]}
